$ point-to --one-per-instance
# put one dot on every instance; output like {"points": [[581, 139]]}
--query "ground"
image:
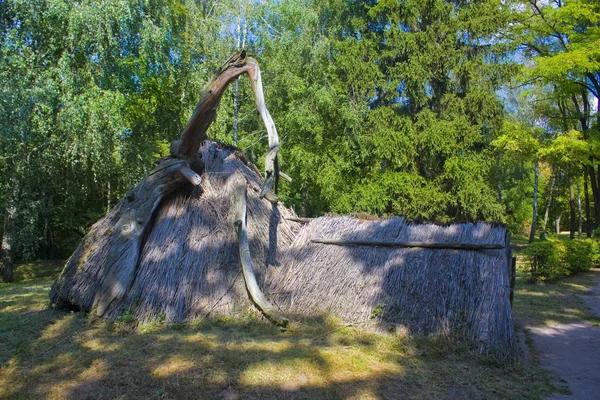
{"points": [[50, 354], [571, 349]]}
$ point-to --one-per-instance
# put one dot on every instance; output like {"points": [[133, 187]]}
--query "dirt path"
{"points": [[572, 351]]}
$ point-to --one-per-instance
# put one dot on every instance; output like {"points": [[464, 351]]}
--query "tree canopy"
{"points": [[385, 107]]}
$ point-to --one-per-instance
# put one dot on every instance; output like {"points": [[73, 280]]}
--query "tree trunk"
{"points": [[588, 217], [7, 251], [116, 242], [558, 225], [304, 200], [572, 211], [579, 213], [236, 107], [548, 203], [535, 201], [595, 194], [238, 181]]}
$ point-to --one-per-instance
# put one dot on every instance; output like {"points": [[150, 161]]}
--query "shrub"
{"points": [[554, 259], [546, 260], [580, 255], [595, 252]]}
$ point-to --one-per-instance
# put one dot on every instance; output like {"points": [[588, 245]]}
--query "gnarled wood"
{"points": [[258, 298], [117, 242], [127, 235]]}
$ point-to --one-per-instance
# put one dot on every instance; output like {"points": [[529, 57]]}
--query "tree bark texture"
{"points": [[572, 211], [535, 201], [548, 203], [6, 249], [579, 212], [258, 298], [586, 195]]}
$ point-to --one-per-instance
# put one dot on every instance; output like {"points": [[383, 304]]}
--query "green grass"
{"points": [[519, 239], [50, 354], [552, 303]]}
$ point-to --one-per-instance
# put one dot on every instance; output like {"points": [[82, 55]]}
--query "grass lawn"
{"points": [[46, 353]]}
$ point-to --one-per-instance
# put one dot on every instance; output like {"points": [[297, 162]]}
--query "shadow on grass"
{"points": [[72, 355], [46, 353], [547, 303]]}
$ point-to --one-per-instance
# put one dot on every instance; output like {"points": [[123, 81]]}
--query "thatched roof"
{"points": [[189, 265], [455, 293]]}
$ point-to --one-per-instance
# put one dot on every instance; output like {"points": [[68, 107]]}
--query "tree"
{"points": [[91, 93], [562, 37], [391, 103]]}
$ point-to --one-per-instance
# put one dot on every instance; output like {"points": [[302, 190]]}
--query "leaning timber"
{"points": [[108, 271]]}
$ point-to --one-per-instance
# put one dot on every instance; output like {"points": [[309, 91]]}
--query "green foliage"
{"points": [[384, 107], [553, 259], [581, 255], [378, 311], [546, 260], [388, 106]]}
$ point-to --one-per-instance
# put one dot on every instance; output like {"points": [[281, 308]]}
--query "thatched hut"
{"points": [[446, 280], [203, 234]]}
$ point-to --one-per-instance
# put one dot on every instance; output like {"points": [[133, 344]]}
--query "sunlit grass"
{"points": [[55, 355], [552, 303]]}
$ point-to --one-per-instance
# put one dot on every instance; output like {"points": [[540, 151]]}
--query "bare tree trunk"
{"points": [[7, 251], [549, 203], [238, 181], [236, 107], [595, 194], [304, 199], [535, 201], [558, 225], [572, 212], [108, 205], [588, 217], [579, 213], [240, 42], [116, 243]]}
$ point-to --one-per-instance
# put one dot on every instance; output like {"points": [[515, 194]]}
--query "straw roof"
{"points": [[454, 293], [189, 267]]}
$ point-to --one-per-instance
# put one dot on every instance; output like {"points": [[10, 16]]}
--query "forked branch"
{"points": [[206, 110]]}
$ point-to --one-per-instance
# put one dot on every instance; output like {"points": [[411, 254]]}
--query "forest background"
{"points": [[433, 109]]}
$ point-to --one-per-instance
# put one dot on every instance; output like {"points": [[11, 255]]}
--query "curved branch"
{"points": [[204, 114], [258, 298]]}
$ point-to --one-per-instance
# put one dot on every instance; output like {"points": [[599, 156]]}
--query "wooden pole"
{"points": [[425, 245]]}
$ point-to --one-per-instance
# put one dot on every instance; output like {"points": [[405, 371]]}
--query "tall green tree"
{"points": [[391, 103], [92, 92], [563, 38]]}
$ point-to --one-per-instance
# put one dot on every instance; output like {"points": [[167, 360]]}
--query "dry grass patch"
{"points": [[56, 355]]}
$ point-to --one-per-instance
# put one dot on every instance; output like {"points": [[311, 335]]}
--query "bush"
{"points": [[545, 259], [580, 255], [553, 259], [595, 253]]}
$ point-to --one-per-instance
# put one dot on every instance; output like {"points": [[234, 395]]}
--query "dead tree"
{"points": [[118, 247]]}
